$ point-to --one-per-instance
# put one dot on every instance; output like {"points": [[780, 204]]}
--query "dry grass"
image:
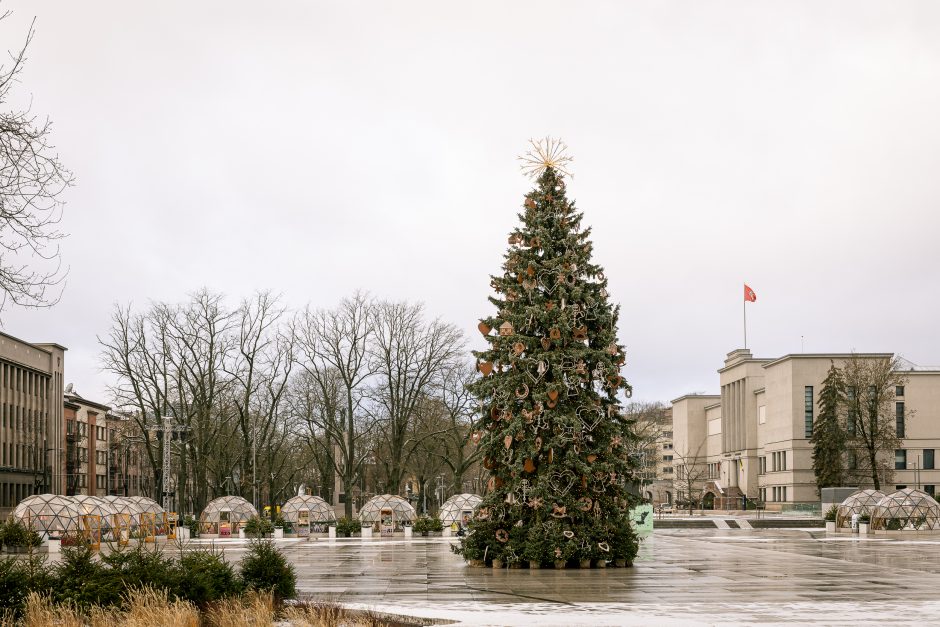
{"points": [[147, 607], [255, 608]]}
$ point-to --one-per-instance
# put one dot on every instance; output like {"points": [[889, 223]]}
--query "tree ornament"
{"points": [[484, 328], [522, 391], [546, 154], [485, 367], [505, 328], [518, 348], [502, 535], [546, 343]]}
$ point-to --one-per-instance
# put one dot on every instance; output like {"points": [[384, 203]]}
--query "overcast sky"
{"points": [[314, 148]]}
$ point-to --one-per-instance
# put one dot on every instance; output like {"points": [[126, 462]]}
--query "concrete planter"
{"points": [[585, 563], [497, 564], [863, 529], [560, 564], [830, 526], [534, 564], [53, 545], [620, 563], [331, 533], [366, 532], [476, 563], [278, 533], [408, 532], [601, 563], [446, 533], [241, 534], [183, 533]]}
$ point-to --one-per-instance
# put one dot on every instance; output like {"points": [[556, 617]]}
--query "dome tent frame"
{"points": [[906, 509], [861, 502], [387, 508], [455, 507], [318, 513], [226, 513], [52, 515]]}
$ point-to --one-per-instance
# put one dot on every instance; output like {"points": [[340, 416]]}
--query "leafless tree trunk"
{"points": [[871, 420], [332, 347], [691, 471], [32, 180], [409, 356]]}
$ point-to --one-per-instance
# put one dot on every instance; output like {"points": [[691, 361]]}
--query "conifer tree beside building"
{"points": [[828, 437]]}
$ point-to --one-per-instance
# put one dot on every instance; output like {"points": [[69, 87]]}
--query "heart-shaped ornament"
{"points": [[590, 417], [553, 395], [484, 328], [546, 343], [561, 482], [485, 367]]}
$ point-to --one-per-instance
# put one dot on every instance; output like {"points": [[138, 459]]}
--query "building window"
{"points": [[899, 418], [808, 412], [928, 459], [899, 390], [853, 460], [929, 489], [900, 459], [761, 414]]}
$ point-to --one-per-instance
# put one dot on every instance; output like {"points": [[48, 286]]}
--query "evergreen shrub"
{"points": [[265, 568]]}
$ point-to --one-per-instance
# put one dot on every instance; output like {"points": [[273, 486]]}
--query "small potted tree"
{"points": [[830, 518]]}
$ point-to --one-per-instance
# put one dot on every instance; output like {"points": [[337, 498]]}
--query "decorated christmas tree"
{"points": [[554, 438]]}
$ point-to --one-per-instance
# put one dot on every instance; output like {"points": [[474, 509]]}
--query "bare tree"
{"points": [[31, 181], [650, 428], [691, 471], [458, 450], [872, 418], [409, 357], [332, 347]]}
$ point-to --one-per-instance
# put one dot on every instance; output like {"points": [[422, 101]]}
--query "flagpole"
{"points": [[745, 324]]}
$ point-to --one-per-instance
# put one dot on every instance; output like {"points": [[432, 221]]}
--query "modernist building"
{"points": [[32, 437], [100, 460], [753, 440]]}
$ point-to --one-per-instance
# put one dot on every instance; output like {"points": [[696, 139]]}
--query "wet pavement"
{"points": [[688, 576]]}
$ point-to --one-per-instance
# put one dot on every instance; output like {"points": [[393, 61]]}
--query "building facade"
{"points": [[102, 458], [32, 438], [752, 441]]}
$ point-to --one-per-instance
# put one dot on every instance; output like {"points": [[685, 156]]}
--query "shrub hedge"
{"points": [[83, 578]]}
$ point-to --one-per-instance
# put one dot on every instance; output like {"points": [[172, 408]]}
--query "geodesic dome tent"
{"points": [[387, 509], [906, 509], [318, 510], [861, 503], [456, 507], [145, 505], [126, 507], [95, 506], [225, 515], [52, 514]]}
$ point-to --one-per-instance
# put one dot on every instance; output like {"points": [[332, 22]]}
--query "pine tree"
{"points": [[553, 434], [828, 437]]}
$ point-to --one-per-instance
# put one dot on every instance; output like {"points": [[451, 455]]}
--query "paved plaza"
{"points": [[689, 576]]}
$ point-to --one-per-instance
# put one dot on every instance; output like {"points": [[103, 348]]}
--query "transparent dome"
{"points": [[318, 510], [387, 507], [226, 514], [862, 502], [146, 505], [48, 513], [906, 509], [456, 507], [125, 507], [94, 506]]}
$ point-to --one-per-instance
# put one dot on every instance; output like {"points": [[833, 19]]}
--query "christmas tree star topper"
{"points": [[546, 153]]}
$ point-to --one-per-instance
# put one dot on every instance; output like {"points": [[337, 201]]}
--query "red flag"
{"points": [[749, 294]]}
